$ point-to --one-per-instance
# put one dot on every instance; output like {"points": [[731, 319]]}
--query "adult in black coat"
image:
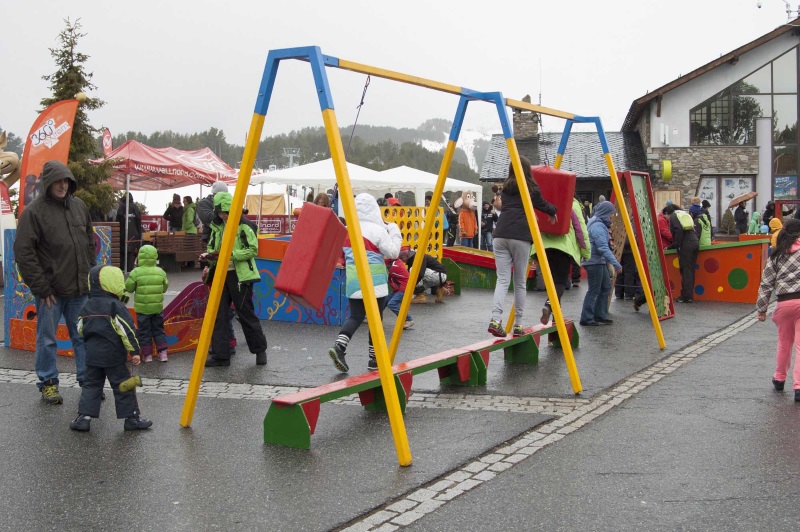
{"points": [[130, 230], [684, 239], [740, 218]]}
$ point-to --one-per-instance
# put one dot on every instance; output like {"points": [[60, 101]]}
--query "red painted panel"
{"points": [[311, 410]]}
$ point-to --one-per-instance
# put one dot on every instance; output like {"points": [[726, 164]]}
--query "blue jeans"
{"points": [[595, 304], [468, 242], [393, 303], [47, 319]]}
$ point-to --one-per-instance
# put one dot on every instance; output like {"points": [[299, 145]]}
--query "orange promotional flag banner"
{"points": [[48, 140], [107, 148]]}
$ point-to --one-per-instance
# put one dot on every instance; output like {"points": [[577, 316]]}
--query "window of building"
{"points": [[728, 117]]}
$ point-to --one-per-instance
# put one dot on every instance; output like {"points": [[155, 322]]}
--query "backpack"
{"points": [[685, 219]]}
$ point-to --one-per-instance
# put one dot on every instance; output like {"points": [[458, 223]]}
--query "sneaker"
{"points": [[337, 354], [440, 294], [137, 423], [50, 393], [589, 323], [372, 363], [778, 385], [408, 324], [604, 321], [420, 299], [162, 356], [517, 330], [261, 358], [546, 313], [684, 300], [496, 329], [81, 423], [212, 362], [147, 359]]}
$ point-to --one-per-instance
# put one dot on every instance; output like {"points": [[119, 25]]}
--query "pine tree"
{"points": [[71, 78]]}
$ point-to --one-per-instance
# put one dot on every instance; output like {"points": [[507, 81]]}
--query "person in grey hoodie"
{"points": [[595, 303]]}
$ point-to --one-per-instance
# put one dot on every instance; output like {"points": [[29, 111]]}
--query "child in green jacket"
{"points": [[149, 282]]}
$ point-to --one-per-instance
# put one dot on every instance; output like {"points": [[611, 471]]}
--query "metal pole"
{"points": [[127, 211]]}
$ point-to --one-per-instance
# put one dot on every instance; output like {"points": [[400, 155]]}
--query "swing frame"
{"points": [[385, 354]]}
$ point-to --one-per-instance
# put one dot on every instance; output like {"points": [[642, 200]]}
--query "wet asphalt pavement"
{"points": [[706, 444]]}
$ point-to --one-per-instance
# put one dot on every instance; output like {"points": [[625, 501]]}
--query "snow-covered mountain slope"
{"points": [[466, 141]]}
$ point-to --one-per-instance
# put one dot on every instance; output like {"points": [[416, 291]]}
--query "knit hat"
{"points": [[176, 197], [706, 204], [695, 209], [219, 186]]}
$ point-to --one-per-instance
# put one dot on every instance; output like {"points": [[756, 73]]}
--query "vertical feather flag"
{"points": [[48, 140]]}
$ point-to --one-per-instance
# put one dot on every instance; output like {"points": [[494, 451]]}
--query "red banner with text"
{"points": [[48, 140]]}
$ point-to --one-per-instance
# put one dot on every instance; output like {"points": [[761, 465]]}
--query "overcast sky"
{"points": [[187, 66]]}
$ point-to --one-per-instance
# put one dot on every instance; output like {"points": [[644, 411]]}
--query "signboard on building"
{"points": [[785, 187]]}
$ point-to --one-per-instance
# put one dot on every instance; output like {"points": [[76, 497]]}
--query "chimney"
{"points": [[526, 123]]}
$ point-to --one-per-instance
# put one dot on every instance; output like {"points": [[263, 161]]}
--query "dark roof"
{"points": [[583, 154], [732, 57]]}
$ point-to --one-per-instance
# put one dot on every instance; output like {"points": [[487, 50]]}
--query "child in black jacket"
{"points": [[109, 335]]}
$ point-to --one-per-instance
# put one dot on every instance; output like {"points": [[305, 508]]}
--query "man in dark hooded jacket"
{"points": [[54, 251]]}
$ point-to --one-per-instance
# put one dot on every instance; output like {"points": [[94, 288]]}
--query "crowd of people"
{"points": [[91, 298]]}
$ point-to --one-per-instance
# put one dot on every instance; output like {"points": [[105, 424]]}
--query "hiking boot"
{"points": [[638, 301], [440, 294], [797, 395], [81, 423], [261, 358], [408, 324], [50, 393], [372, 363], [778, 385], [546, 313], [137, 423], [212, 362], [517, 330], [147, 359], [337, 355], [162, 355], [496, 329], [420, 299]]}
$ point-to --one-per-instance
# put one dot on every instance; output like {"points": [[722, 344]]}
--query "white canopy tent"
{"points": [[321, 177]]}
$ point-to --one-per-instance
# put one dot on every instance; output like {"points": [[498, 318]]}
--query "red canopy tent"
{"points": [[149, 168], [140, 167]]}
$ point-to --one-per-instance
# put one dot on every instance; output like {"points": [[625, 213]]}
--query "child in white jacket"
{"points": [[382, 241]]}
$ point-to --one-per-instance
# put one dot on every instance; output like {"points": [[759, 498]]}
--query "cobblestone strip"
{"points": [[424, 500]]}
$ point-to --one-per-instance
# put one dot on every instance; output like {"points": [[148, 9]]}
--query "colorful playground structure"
{"points": [[385, 353]]}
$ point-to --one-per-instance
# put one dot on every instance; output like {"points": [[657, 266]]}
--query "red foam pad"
{"points": [[307, 267], [558, 187]]}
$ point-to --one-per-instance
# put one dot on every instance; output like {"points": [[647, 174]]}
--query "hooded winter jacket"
{"points": [[105, 322], [188, 225], [54, 248], [148, 282], [599, 237], [245, 246], [775, 226], [380, 240]]}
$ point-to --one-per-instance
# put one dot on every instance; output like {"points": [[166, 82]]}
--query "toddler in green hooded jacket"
{"points": [[148, 282]]}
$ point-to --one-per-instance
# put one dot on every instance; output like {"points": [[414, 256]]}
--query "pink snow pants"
{"points": [[787, 318]]}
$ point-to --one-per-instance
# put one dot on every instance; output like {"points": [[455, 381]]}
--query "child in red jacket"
{"points": [[398, 280]]}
